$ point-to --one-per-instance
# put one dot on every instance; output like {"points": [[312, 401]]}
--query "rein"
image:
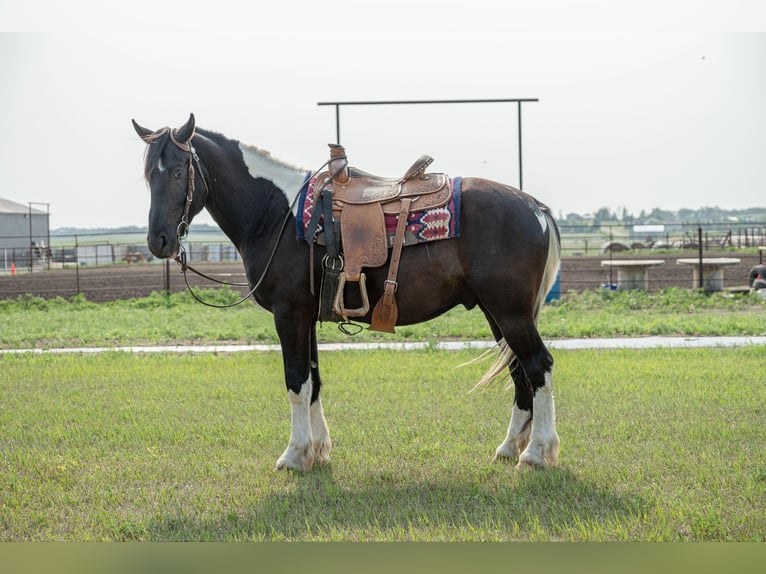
{"points": [[182, 231]]}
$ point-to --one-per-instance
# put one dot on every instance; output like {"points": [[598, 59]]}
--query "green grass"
{"points": [[33, 322], [656, 445]]}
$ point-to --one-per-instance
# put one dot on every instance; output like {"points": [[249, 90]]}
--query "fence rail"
{"points": [[106, 267], [592, 240]]}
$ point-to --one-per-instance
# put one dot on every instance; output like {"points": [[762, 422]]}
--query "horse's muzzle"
{"points": [[162, 245]]}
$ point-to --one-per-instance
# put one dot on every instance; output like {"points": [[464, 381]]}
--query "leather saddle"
{"points": [[359, 203]]}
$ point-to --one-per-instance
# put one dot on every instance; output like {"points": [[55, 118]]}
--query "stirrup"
{"points": [[339, 306]]}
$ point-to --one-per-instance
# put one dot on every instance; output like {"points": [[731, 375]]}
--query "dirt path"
{"points": [[126, 281]]}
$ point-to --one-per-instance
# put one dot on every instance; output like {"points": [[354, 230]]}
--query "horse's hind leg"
{"points": [[543, 447], [537, 442], [517, 437]]}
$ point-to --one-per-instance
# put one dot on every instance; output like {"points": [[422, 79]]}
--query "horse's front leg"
{"points": [[306, 414], [319, 430]]}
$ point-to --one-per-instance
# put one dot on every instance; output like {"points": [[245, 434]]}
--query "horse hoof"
{"points": [[537, 460], [501, 456], [528, 464], [510, 449], [322, 452], [298, 459]]}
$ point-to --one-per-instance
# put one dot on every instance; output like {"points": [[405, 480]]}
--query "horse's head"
{"points": [[178, 190]]}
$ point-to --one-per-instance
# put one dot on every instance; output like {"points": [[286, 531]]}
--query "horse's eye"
{"points": [[178, 172]]}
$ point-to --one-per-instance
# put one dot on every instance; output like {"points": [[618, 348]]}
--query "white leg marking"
{"points": [[299, 454], [518, 435], [320, 432], [543, 448]]}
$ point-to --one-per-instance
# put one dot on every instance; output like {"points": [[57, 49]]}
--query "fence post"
{"points": [[167, 279], [77, 263], [611, 251], [699, 242]]}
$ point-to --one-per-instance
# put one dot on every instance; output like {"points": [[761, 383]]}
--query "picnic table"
{"points": [[712, 271], [632, 273]]}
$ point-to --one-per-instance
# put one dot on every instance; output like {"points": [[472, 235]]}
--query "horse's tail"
{"points": [[552, 263], [505, 357]]}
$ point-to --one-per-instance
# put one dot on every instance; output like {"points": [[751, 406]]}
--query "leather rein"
{"points": [[182, 231]]}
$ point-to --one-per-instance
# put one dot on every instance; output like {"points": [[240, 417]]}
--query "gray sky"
{"points": [[642, 105]]}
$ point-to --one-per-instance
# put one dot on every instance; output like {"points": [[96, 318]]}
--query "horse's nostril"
{"points": [[160, 244]]}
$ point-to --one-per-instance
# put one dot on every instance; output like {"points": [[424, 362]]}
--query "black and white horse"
{"points": [[505, 260]]}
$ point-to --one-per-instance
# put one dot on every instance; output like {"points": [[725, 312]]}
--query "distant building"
{"points": [[24, 236]]}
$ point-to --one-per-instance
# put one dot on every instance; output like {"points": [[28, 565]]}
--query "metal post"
{"points": [[29, 245], [521, 176], [611, 252], [337, 106], [699, 241], [337, 124], [167, 279], [77, 264], [48, 228]]}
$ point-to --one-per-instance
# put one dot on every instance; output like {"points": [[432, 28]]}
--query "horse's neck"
{"points": [[250, 194], [288, 178]]}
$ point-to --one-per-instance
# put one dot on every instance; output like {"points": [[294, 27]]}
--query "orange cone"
{"points": [[13, 268]]}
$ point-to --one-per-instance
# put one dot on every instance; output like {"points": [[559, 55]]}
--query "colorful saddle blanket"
{"points": [[422, 226]]}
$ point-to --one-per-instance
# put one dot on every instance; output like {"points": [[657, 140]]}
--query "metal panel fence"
{"points": [[579, 239], [113, 266], [106, 249]]}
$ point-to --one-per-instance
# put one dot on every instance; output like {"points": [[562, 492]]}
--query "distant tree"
{"points": [[687, 215], [658, 214], [604, 214]]}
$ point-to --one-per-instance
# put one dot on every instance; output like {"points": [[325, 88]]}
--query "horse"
{"points": [[505, 260]]}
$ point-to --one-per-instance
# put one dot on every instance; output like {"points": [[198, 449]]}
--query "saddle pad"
{"points": [[422, 226]]}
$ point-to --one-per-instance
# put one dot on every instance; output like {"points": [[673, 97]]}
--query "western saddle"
{"points": [[354, 205]]}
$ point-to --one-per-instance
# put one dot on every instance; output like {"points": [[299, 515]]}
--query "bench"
{"points": [[632, 273], [356, 202], [712, 271]]}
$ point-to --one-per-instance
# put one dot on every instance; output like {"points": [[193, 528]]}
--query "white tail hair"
{"points": [[505, 357]]}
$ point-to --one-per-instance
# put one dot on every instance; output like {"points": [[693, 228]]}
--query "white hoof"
{"points": [[297, 458], [541, 454], [321, 434], [322, 451], [510, 449]]}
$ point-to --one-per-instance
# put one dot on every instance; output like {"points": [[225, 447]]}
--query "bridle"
{"points": [[183, 227], [182, 231]]}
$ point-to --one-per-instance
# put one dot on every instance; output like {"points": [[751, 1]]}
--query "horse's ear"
{"points": [[142, 132], [186, 131]]}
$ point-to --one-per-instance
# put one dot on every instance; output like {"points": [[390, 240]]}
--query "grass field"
{"points": [[656, 445], [34, 322]]}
